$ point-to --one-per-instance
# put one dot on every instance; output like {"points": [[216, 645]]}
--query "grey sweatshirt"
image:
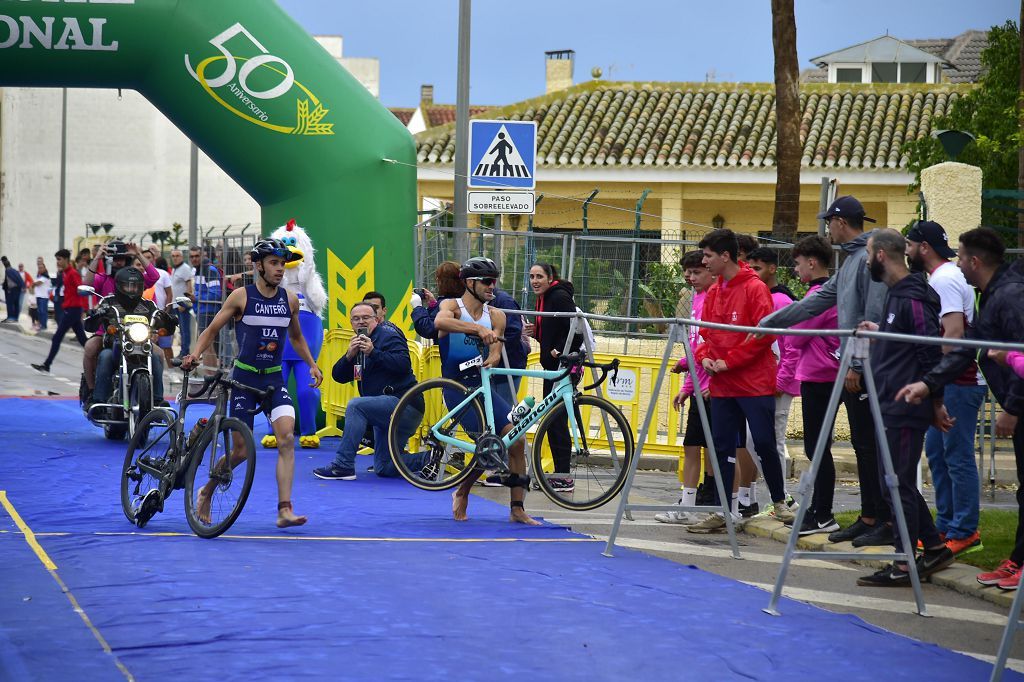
{"points": [[850, 290]]}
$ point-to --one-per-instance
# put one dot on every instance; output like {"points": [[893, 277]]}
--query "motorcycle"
{"points": [[130, 336]]}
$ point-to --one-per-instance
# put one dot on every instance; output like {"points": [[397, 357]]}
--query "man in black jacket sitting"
{"points": [[911, 307], [378, 360]]}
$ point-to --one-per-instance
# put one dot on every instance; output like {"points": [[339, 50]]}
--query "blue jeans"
{"points": [[376, 411], [105, 376], [185, 325], [43, 306], [951, 460]]}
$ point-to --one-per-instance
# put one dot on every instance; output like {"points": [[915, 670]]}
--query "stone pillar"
{"points": [[953, 193]]}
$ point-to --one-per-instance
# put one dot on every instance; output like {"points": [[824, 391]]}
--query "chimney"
{"points": [[558, 66], [426, 95]]}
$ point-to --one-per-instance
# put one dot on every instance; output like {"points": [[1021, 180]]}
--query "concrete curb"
{"points": [[960, 577]]}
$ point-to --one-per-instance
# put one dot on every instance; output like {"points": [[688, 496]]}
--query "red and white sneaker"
{"points": [[1008, 569]]}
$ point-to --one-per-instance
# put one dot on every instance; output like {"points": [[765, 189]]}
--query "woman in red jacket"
{"points": [[742, 370]]}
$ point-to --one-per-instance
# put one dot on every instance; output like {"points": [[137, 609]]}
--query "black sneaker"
{"points": [[562, 485], [706, 493], [933, 561], [882, 534], [335, 473], [811, 525], [890, 576], [853, 531], [42, 367], [749, 510]]}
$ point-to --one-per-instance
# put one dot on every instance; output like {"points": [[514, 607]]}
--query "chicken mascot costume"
{"points": [[302, 278]]}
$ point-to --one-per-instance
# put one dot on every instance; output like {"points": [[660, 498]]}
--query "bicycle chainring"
{"points": [[490, 452]]}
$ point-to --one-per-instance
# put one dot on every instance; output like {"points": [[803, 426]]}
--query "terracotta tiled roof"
{"points": [[403, 114], [600, 124], [441, 114]]}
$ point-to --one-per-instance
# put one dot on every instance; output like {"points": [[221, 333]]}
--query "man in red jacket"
{"points": [[73, 306], [742, 370]]}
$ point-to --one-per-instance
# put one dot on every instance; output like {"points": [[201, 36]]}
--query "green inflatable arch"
{"points": [[264, 100]]}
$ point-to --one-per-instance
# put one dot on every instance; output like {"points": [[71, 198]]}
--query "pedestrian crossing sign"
{"points": [[502, 154]]}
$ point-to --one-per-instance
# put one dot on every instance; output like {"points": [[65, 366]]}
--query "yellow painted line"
{"points": [[51, 567], [30, 537]]}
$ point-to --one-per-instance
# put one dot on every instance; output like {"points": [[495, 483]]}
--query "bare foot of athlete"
{"points": [[203, 505], [286, 518], [517, 515], [460, 503]]}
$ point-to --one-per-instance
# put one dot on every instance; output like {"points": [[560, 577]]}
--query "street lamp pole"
{"points": [[63, 167], [462, 134]]}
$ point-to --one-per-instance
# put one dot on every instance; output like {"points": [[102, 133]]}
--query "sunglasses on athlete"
{"points": [[486, 281]]}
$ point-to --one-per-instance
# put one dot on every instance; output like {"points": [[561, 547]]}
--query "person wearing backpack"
{"points": [[554, 295]]}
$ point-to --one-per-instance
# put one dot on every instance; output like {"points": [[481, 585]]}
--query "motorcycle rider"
{"points": [[103, 281], [129, 283]]}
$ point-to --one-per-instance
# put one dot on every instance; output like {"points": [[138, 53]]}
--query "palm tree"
{"points": [[787, 122]]}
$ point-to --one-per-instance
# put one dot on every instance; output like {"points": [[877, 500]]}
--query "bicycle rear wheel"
{"points": [[419, 456], [598, 462], [225, 486], [148, 463]]}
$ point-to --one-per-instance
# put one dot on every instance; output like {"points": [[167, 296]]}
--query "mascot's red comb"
{"points": [[291, 225]]}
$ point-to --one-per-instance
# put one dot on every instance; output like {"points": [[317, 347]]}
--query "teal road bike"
{"points": [[455, 428]]}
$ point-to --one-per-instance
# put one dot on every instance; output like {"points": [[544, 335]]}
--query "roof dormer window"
{"points": [[882, 60]]}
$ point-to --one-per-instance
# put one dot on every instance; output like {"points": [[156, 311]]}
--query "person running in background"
{"points": [[73, 307], [816, 372], [695, 493]]}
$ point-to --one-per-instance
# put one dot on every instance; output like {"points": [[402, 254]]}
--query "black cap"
{"points": [[933, 233], [845, 207]]}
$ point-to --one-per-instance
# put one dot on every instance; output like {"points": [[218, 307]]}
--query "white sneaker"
{"points": [[679, 518]]}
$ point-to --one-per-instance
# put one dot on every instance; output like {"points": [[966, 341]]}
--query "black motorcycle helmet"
{"points": [[128, 287]]}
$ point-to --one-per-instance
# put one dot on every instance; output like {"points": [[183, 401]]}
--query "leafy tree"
{"points": [[989, 112]]}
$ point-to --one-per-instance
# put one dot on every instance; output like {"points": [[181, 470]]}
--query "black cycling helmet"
{"points": [[479, 266], [129, 283], [272, 247]]}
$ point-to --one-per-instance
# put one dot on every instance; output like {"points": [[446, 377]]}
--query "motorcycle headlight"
{"points": [[138, 332]]}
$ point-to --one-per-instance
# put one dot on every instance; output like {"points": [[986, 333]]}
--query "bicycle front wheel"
{"points": [[420, 457], [584, 474], [219, 478], [149, 460]]}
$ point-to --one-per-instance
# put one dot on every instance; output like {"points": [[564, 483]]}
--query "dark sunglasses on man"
{"points": [[486, 281]]}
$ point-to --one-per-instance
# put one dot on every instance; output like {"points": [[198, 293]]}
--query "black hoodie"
{"points": [[911, 307], [551, 332], [999, 317]]}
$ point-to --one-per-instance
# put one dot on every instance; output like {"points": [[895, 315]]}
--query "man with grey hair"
{"points": [[910, 307], [856, 299]]}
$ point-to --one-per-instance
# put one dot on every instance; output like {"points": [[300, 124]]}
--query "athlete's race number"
{"points": [[249, 65]]}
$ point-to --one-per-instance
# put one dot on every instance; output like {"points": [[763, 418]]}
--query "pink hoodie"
{"points": [[819, 361], [789, 357], [1015, 360], [694, 334]]}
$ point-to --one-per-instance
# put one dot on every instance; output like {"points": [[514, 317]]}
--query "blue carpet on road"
{"points": [[380, 584]]}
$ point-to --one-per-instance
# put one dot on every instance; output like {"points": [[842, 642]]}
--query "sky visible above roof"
{"points": [[647, 40]]}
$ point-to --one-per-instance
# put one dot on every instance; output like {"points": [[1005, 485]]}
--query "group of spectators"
{"points": [[930, 395], [467, 302]]}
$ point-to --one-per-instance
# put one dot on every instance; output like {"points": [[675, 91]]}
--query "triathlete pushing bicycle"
{"points": [[263, 312], [461, 361]]}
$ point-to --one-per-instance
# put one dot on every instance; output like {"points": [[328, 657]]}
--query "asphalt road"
{"points": [[958, 622]]}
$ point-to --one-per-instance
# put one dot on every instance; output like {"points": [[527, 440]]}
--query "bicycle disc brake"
{"points": [[490, 452]]}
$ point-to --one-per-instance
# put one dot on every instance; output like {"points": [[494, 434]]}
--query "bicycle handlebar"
{"points": [[211, 382], [574, 360]]}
